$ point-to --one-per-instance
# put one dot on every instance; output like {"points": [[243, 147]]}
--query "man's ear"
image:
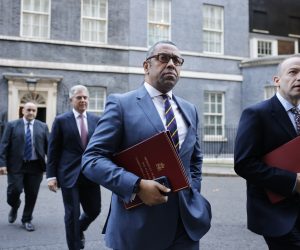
{"points": [[276, 80], [146, 66]]}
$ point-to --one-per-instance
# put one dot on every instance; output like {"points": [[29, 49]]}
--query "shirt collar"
{"points": [[286, 104], [76, 114], [26, 121], [153, 92]]}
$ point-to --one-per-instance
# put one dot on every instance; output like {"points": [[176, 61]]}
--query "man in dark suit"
{"points": [[68, 139], [176, 221], [22, 158], [262, 128]]}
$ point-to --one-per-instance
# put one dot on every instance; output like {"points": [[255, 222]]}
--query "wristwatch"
{"points": [[136, 187]]}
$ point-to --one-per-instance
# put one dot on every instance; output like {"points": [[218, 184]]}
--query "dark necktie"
{"points": [[83, 132], [171, 121], [296, 113], [28, 144]]}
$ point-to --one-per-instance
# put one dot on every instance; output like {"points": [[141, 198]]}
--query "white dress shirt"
{"points": [[288, 106], [160, 107]]}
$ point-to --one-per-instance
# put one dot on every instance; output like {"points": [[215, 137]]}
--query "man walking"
{"points": [[68, 140], [22, 157], [172, 222], [264, 127]]}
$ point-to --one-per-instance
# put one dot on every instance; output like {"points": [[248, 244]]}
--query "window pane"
{"points": [[97, 99], [213, 28], [264, 48], [158, 20], [213, 113], [94, 19], [37, 5], [35, 18], [219, 109], [219, 130]]}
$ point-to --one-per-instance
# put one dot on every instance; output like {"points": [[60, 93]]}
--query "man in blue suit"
{"points": [[176, 221], [262, 128], [68, 139], [24, 163]]}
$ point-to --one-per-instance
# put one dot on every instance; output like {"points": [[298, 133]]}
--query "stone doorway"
{"points": [[44, 95]]}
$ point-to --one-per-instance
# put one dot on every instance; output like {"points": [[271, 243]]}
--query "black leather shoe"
{"points": [[28, 226], [82, 240], [12, 216]]}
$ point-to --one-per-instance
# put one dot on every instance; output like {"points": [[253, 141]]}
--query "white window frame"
{"points": [[273, 39], [32, 13], [214, 30], [215, 136], [254, 46], [82, 17], [101, 109], [159, 23]]}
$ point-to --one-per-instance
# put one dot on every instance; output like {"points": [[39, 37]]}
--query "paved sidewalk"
{"points": [[218, 167], [218, 170]]}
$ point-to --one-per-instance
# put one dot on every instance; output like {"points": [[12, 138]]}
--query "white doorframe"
{"points": [[45, 88]]}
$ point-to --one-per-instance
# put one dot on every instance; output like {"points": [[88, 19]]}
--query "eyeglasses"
{"points": [[165, 58], [80, 97]]}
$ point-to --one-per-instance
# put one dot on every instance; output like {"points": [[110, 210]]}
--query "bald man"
{"points": [[263, 127], [22, 157]]}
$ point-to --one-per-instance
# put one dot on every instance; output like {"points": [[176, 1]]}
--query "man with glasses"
{"points": [[22, 157], [68, 140], [172, 221]]}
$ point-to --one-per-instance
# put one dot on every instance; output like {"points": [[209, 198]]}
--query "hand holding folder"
{"points": [[285, 157], [153, 158]]}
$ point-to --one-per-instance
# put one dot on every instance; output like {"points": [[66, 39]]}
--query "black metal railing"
{"points": [[212, 146], [222, 146]]}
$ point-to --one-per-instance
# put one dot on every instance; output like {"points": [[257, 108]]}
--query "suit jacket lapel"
{"points": [[281, 117], [74, 128], [146, 104], [20, 127], [35, 132]]}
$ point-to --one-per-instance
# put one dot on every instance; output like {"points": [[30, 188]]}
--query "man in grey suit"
{"points": [[176, 221], [22, 157]]}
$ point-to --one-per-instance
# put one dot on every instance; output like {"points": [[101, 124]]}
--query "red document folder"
{"points": [[285, 157], [153, 158]]}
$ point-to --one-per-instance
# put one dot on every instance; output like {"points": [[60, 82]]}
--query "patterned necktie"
{"points": [[83, 132], [28, 144], [171, 121], [296, 112]]}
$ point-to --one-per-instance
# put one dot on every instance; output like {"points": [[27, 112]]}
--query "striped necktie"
{"points": [[28, 144], [296, 113], [171, 121]]}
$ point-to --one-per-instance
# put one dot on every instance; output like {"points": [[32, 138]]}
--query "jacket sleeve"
{"points": [[96, 161], [5, 145], [249, 150]]}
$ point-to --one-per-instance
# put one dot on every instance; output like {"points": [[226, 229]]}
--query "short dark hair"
{"points": [[151, 50]]}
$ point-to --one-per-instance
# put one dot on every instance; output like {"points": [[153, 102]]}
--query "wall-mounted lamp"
{"points": [[31, 84]]}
